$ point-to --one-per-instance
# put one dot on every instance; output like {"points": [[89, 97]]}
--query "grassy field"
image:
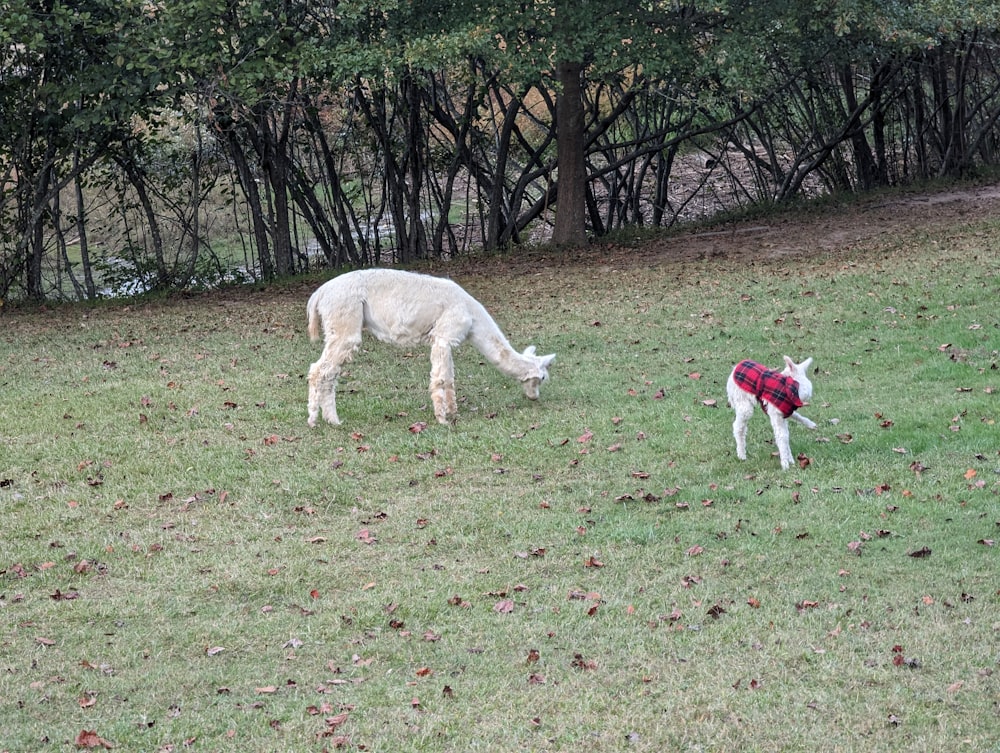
{"points": [[184, 565]]}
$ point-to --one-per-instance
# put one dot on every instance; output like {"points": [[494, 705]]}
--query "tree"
{"points": [[73, 79]]}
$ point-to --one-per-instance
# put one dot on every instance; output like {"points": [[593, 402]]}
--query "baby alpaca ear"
{"points": [[789, 363], [529, 351], [546, 360], [806, 363]]}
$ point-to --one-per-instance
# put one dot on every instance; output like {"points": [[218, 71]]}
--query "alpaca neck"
{"points": [[487, 338]]}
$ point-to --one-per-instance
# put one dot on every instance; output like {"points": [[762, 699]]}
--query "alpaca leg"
{"points": [[323, 389], [314, 393], [443, 383], [803, 420], [323, 379], [743, 405], [780, 426], [743, 414]]}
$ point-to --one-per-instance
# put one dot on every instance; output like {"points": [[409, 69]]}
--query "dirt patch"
{"points": [[879, 221]]}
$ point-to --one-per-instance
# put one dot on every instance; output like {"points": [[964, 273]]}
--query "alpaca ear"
{"points": [[529, 351], [789, 363], [546, 360], [806, 363]]}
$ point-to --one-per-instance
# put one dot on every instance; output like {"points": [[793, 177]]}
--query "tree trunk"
{"points": [[571, 197]]}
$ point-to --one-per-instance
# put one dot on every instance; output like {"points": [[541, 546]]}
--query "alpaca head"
{"points": [[797, 371], [537, 371]]}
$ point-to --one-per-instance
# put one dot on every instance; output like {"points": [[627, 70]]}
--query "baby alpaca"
{"points": [[779, 395], [407, 309]]}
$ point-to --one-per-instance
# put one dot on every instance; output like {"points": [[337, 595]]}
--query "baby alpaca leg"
{"points": [[780, 426], [803, 420], [743, 415], [443, 383]]}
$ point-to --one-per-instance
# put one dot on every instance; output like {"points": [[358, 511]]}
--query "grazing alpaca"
{"points": [[405, 308], [781, 392]]}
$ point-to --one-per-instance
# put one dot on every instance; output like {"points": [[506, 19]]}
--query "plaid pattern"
{"points": [[778, 390]]}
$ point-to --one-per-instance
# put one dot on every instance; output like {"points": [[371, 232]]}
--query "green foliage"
{"points": [[185, 563]]}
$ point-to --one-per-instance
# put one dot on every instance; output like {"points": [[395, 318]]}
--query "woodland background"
{"points": [[186, 144]]}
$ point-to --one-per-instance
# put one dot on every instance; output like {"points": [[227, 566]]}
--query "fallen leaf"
{"points": [[506, 606], [922, 552], [715, 611], [90, 739]]}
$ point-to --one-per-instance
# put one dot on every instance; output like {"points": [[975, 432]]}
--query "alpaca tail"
{"points": [[312, 311]]}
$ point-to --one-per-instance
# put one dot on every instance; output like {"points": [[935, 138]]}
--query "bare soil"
{"points": [[819, 230]]}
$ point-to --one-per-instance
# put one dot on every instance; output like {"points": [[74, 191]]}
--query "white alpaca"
{"points": [[779, 395], [405, 308]]}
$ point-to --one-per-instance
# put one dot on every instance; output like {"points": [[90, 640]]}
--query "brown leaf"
{"points": [[716, 611], [90, 739], [365, 536], [506, 606], [920, 553]]}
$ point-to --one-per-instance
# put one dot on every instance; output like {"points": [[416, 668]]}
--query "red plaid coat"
{"points": [[764, 384]]}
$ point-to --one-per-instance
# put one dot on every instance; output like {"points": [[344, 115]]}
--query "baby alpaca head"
{"points": [[797, 371], [537, 371]]}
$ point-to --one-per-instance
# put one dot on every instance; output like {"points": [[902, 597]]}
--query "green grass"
{"points": [[183, 563]]}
